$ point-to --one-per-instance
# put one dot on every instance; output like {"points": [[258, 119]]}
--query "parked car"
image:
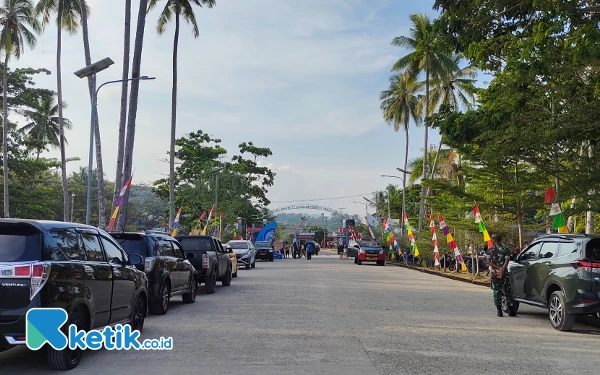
{"points": [[169, 272], [75, 267], [368, 252], [245, 252], [208, 256], [264, 250], [560, 273], [234, 262]]}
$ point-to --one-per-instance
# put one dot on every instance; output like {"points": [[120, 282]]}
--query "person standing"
{"points": [[500, 283], [309, 249]]}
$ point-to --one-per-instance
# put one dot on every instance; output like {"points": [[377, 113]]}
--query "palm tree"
{"points": [[18, 27], [99, 163], [124, 90], [454, 88], [400, 104], [136, 66], [429, 57], [179, 9], [44, 128], [68, 14]]}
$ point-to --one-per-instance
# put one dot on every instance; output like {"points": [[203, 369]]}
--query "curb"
{"points": [[482, 283]]}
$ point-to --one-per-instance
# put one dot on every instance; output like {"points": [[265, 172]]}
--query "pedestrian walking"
{"points": [[500, 283], [309, 249]]}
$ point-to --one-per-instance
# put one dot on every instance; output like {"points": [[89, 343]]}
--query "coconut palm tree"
{"points": [[427, 56], [18, 27], [124, 91], [67, 14], [44, 129], [136, 66], [99, 162], [177, 9], [400, 105]]}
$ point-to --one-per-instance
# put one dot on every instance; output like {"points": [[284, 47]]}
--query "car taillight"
{"points": [[149, 264], [39, 275], [22, 271], [587, 266], [361, 251], [205, 261]]}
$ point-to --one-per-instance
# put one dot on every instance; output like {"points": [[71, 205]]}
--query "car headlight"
{"points": [[270, 251]]}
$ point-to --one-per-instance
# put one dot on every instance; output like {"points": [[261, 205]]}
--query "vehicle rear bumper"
{"points": [[264, 256], [585, 302], [12, 333]]}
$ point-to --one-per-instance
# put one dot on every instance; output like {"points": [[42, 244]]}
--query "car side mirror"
{"points": [[548, 255], [135, 259], [191, 256]]}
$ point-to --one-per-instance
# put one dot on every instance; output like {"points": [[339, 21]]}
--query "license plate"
{"points": [[371, 258]]}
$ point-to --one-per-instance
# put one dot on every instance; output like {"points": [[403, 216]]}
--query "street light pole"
{"points": [[403, 195]]}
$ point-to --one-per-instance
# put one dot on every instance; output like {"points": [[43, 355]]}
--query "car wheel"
{"points": [[139, 313], [359, 262], [68, 359], [211, 284], [510, 309], [559, 317], [247, 266], [161, 306], [253, 264], [226, 281], [191, 296], [271, 258]]}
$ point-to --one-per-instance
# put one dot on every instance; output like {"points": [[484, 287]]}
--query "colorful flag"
{"points": [[549, 196], [436, 251], [453, 246], [411, 237], [555, 209], [477, 214], [482, 228], [212, 210], [118, 202], [176, 222]]}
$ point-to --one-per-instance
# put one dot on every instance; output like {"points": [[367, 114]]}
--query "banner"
{"points": [[482, 228], [411, 237], [452, 242], [436, 251], [391, 239], [117, 204], [176, 222], [558, 218]]}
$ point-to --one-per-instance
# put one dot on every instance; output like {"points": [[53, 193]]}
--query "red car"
{"points": [[370, 252]]}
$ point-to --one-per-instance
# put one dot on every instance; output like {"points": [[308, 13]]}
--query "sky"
{"points": [[300, 77]]}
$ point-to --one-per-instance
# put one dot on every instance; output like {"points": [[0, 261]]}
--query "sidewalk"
{"points": [[460, 276]]}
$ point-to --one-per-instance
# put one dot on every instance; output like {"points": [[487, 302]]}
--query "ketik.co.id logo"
{"points": [[44, 326]]}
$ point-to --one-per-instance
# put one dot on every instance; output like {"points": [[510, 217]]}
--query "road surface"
{"points": [[329, 316]]}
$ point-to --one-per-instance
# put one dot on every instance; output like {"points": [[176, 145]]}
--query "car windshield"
{"points": [[238, 245], [135, 245], [196, 243]]}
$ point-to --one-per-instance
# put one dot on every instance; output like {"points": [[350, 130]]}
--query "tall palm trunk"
{"points": [[425, 153], [404, 177], [124, 90], [61, 128], [133, 105], [99, 164], [5, 135], [173, 125]]}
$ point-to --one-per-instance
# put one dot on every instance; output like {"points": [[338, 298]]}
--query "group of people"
{"points": [[306, 248]]}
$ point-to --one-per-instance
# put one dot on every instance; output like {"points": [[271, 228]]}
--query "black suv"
{"points": [[75, 267], [169, 272], [560, 273]]}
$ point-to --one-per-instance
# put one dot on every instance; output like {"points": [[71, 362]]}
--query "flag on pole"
{"points": [[482, 228], [436, 251], [212, 210], [549, 195], [453, 246], [118, 202], [176, 222], [411, 236]]}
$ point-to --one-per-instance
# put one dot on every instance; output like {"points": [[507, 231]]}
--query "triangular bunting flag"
{"points": [[482, 227], [486, 236], [449, 238], [549, 196], [564, 229], [555, 209], [559, 221]]}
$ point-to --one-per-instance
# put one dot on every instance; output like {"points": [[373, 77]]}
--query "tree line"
{"points": [[21, 21], [532, 127]]}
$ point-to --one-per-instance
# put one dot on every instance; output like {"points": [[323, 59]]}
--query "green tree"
{"points": [[18, 28], [400, 104], [67, 14], [179, 9], [43, 130], [427, 56]]}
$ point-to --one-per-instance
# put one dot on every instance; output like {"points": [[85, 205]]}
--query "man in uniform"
{"points": [[498, 262]]}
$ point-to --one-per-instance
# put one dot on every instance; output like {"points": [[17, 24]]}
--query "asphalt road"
{"points": [[329, 316]]}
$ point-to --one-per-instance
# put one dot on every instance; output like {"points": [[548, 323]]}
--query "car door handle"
{"points": [[88, 269]]}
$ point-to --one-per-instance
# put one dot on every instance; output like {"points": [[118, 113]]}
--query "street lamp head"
{"points": [[96, 67], [404, 171], [146, 78]]}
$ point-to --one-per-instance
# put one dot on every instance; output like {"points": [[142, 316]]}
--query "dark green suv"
{"points": [[558, 272]]}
